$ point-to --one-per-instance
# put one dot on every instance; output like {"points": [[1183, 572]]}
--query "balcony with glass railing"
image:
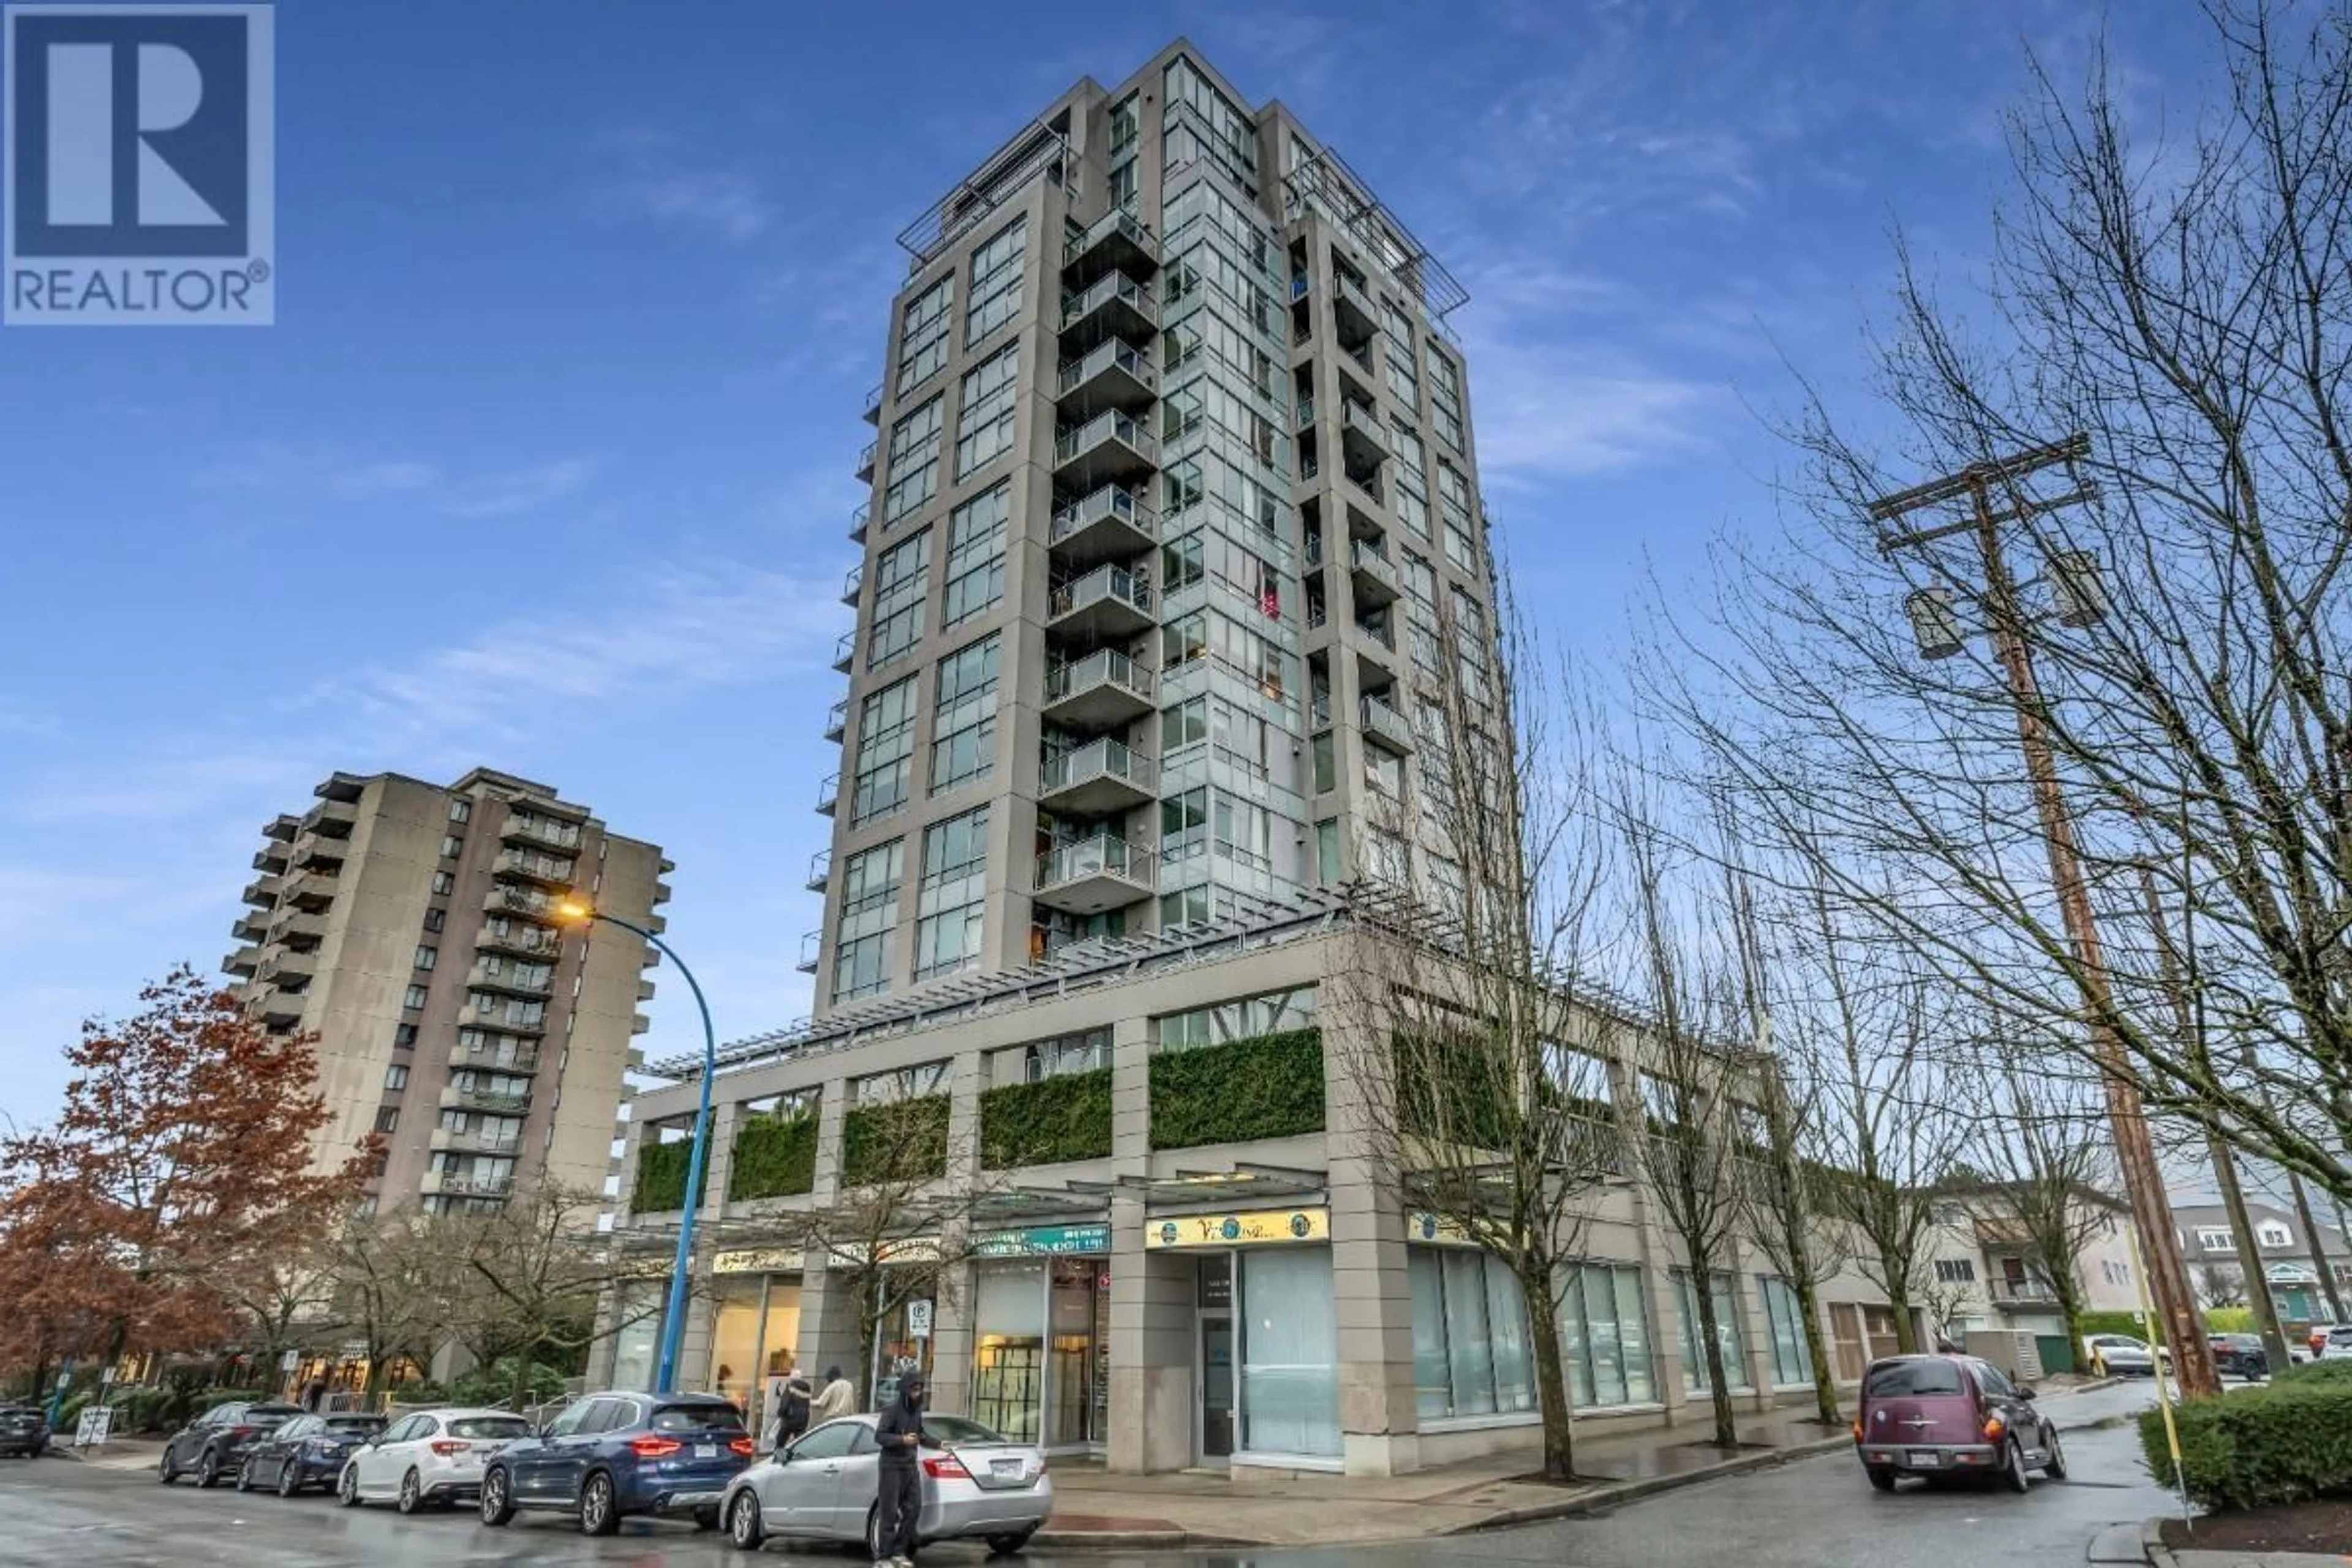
{"points": [[1385, 725], [1101, 691], [1109, 375], [820, 871], [1108, 450], [1107, 602], [865, 459], [1303, 417], [1097, 779], [1363, 439], [1113, 306], [828, 795], [812, 945], [857, 520], [873, 404], [836, 721], [1112, 243], [845, 652], [1373, 574], [1110, 523], [852, 583], [1104, 872], [1353, 313]]}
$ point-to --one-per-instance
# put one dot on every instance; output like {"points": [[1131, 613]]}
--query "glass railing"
{"points": [[837, 719], [1306, 411], [1110, 287], [1104, 855], [872, 402], [857, 520], [1386, 722], [1110, 501], [865, 457], [851, 584], [828, 793], [845, 652], [1069, 442], [1369, 560], [1105, 758], [1102, 582], [1378, 633], [1358, 418], [812, 943], [1104, 667], [1112, 354], [1102, 227]]}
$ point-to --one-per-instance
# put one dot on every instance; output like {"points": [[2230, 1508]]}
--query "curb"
{"points": [[1585, 1503], [2151, 1542]]}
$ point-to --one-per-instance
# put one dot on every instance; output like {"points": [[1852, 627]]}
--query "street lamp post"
{"points": [[1938, 633], [583, 913]]}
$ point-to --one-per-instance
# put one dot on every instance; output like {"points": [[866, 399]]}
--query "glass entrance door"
{"points": [[1216, 1386]]}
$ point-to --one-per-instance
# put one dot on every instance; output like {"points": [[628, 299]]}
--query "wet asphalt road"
{"points": [[1805, 1515]]}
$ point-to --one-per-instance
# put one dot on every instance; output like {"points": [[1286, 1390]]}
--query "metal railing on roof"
{"points": [[1035, 149]]}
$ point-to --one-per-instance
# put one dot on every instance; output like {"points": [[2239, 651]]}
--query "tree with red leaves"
{"points": [[178, 1176]]}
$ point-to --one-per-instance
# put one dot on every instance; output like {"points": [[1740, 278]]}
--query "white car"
{"points": [[2339, 1344], [433, 1457], [977, 1485], [2120, 1355]]}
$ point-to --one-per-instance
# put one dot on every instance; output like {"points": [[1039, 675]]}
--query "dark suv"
{"points": [[24, 1429], [612, 1455], [2240, 1356], [212, 1446], [1937, 1415]]}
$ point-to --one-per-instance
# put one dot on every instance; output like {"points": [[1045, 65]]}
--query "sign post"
{"points": [[919, 1319]]}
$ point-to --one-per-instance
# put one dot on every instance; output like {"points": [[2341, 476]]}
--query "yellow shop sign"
{"points": [[1259, 1227]]}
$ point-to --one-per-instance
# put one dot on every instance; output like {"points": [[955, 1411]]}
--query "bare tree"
{"points": [[2220, 1285], [2049, 1163], [1480, 1082], [532, 1273], [393, 1277]]}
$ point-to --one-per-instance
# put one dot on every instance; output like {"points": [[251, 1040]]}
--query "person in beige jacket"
{"points": [[832, 1401]]}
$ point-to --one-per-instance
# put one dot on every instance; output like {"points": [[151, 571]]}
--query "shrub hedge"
{"points": [[899, 1141], [2283, 1442], [2129, 1324], [1269, 1086], [1043, 1123], [2321, 1372], [775, 1157], [661, 1177]]}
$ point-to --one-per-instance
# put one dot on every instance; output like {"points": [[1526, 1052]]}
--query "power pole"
{"points": [[2175, 1302], [2225, 1165]]}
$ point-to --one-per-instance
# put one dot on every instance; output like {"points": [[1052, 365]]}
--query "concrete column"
{"points": [[832, 1105], [1371, 1287], [829, 1334], [717, 1162], [1154, 1324], [951, 1333]]}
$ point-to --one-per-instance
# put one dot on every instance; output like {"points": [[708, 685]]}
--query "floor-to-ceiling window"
{"points": [[1289, 1352], [1728, 1332], [1604, 1336], [1791, 1362], [1470, 1353]]}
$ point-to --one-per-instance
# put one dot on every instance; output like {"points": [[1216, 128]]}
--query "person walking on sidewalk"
{"points": [[834, 1400], [792, 1410], [900, 1504]]}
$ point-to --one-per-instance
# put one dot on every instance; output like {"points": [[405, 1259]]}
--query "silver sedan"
{"points": [[976, 1487]]}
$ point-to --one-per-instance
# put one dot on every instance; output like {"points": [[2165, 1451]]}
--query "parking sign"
{"points": [[138, 177]]}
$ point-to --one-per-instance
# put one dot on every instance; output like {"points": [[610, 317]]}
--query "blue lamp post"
{"points": [[673, 1312]]}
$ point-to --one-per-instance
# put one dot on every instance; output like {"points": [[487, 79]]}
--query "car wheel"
{"points": [[496, 1506], [208, 1469], [1007, 1545], [2056, 1467], [244, 1476], [290, 1480], [1880, 1477], [598, 1514], [164, 1473], [874, 1547], [347, 1485], [745, 1529], [412, 1493], [2012, 1471]]}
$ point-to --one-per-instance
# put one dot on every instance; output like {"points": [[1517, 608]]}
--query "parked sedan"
{"points": [[2339, 1344], [2120, 1355], [613, 1455], [2240, 1356], [24, 1429], [307, 1451], [213, 1446], [432, 1457], [977, 1485]]}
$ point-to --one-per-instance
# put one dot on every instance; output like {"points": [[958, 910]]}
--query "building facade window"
{"points": [[995, 282], [1471, 1351], [902, 582], [987, 410], [403, 1036], [1956, 1270], [435, 919], [975, 564], [415, 998], [1271, 1013], [395, 1076], [963, 716], [444, 883], [426, 956], [1792, 1362], [869, 914], [1728, 1332], [387, 1119], [1085, 1051], [923, 339], [950, 904], [1605, 1337], [913, 473], [1445, 398], [2213, 1239], [461, 810], [886, 752], [452, 846], [906, 1083], [1328, 872], [2273, 1234]]}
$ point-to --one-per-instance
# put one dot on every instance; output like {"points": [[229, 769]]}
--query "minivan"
{"points": [[1937, 1415]]}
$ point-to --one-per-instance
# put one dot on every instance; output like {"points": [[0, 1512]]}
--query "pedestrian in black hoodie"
{"points": [[899, 1429]]}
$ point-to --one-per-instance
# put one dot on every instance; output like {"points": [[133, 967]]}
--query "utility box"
{"points": [[2014, 1353]]}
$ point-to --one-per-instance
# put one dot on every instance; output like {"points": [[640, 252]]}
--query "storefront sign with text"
{"points": [[1259, 1228], [1043, 1241]]}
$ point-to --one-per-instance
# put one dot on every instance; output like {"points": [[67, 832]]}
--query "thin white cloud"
{"points": [[524, 489], [726, 203], [326, 473], [1544, 412]]}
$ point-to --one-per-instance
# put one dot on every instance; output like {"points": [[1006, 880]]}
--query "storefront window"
{"points": [[1790, 1364], [1075, 1307], [1008, 1358], [1290, 1394], [1471, 1354], [1605, 1334], [1728, 1328], [636, 1341], [896, 1350], [758, 1325]]}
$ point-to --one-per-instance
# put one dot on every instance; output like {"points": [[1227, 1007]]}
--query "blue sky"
{"points": [[577, 305]]}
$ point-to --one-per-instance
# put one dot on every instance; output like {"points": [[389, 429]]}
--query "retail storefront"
{"points": [[1473, 1353], [1041, 1335], [755, 1326], [1265, 1342]]}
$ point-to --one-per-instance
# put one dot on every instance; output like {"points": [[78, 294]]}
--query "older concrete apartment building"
{"points": [[411, 926], [1175, 520]]}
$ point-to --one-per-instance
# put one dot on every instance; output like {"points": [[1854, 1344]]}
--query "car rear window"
{"points": [[363, 1424], [696, 1419], [494, 1428], [956, 1429], [1911, 1379]]}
